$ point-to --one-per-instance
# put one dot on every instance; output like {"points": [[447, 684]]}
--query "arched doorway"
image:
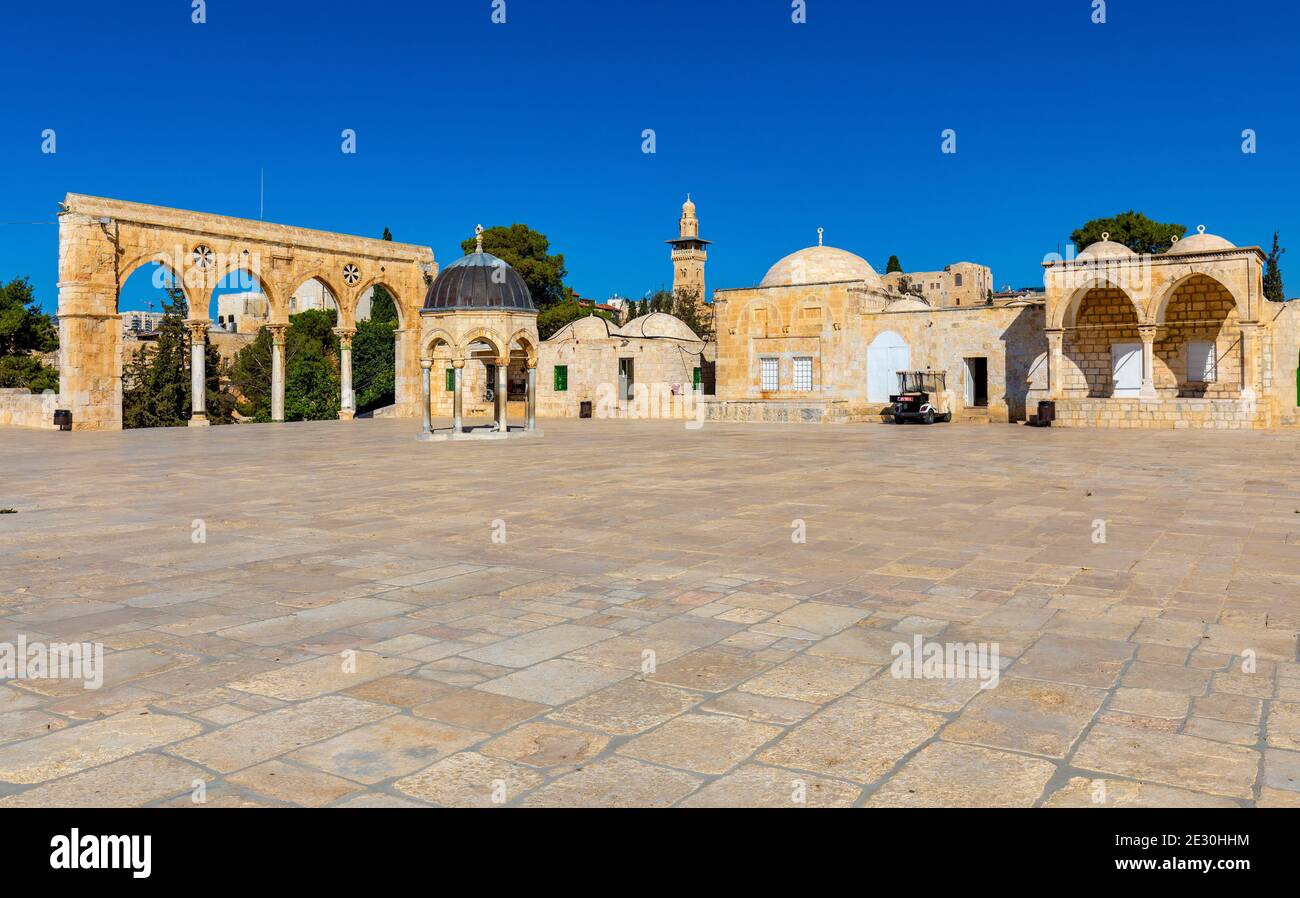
{"points": [[1104, 345], [887, 354]]}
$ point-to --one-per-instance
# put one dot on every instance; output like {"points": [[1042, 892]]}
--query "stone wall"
{"points": [[1200, 310], [23, 408], [1160, 414], [1105, 317]]}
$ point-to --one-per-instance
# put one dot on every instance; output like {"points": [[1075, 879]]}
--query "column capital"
{"points": [[277, 332], [1148, 332], [458, 363], [426, 364], [198, 328], [348, 332]]}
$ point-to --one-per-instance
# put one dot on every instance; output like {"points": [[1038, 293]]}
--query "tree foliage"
{"points": [[1132, 229], [24, 331], [1273, 289], [311, 366], [554, 317], [156, 387], [893, 265], [528, 252], [374, 354]]}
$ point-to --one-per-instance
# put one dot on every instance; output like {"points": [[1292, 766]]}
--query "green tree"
{"points": [[893, 265], [156, 383], [25, 331], [552, 318], [374, 354], [1132, 229], [311, 364], [1273, 289], [528, 252], [388, 235]]}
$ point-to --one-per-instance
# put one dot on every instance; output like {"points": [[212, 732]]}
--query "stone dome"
{"points": [[1200, 242], [659, 324], [478, 282], [590, 327], [1105, 248], [820, 265], [688, 207]]}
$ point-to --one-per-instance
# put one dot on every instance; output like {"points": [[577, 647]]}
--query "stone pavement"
{"points": [[621, 613]]}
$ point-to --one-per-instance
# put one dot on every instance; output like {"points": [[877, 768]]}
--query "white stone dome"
{"points": [[1200, 242], [820, 265], [1105, 248], [658, 324]]}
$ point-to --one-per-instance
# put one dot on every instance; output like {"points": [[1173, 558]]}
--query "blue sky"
{"points": [[775, 128]]}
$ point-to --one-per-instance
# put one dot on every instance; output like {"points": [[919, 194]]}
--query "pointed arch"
{"points": [[1160, 303], [1066, 312]]}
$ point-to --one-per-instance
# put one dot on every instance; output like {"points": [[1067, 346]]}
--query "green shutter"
{"points": [[696, 378], [561, 378], [451, 379]]}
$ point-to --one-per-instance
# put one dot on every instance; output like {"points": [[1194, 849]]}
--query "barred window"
{"points": [[770, 381], [803, 374]]}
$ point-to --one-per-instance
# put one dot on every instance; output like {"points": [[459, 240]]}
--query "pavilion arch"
{"points": [[354, 299], [526, 343], [439, 338], [1160, 303], [1067, 312], [483, 335]]}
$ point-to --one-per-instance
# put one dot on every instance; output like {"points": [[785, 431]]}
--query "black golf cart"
{"points": [[922, 396]]}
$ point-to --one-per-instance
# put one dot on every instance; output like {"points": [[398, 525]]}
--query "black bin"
{"points": [[584, 408], [1046, 413], [63, 418]]}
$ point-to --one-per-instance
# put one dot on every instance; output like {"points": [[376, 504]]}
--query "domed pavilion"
{"points": [[478, 314]]}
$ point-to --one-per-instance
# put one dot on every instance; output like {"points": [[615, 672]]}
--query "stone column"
{"points": [[532, 396], [1148, 334], [198, 373], [347, 404], [502, 366], [1250, 381], [426, 410], [277, 370], [1055, 364], [457, 423]]}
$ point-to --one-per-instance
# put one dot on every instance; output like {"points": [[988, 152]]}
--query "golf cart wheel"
{"points": [[947, 417], [929, 417]]}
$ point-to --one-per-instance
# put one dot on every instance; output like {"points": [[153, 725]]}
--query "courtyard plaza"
{"points": [[334, 614]]}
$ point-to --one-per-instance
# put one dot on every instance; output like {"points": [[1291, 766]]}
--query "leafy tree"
{"points": [[374, 354], [528, 252], [1273, 289], [893, 265], [552, 318], [24, 331], [388, 235], [1132, 229], [311, 364], [156, 383]]}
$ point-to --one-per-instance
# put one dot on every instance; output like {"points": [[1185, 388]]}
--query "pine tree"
{"points": [[893, 265], [1273, 289], [156, 384]]}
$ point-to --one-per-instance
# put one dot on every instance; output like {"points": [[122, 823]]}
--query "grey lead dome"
{"points": [[479, 281]]}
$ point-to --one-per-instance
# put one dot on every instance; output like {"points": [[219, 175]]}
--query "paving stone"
{"points": [[809, 679], [1099, 792], [1222, 730], [475, 710], [951, 775], [615, 782], [854, 738], [810, 620], [391, 747], [469, 780], [759, 708], [760, 786], [554, 682], [708, 670], [703, 743], [310, 679], [945, 694], [76, 748], [1174, 760], [1283, 730], [630, 652], [545, 744], [1074, 659], [1151, 703], [133, 781], [1033, 716], [631, 706], [530, 648], [284, 782], [261, 738]]}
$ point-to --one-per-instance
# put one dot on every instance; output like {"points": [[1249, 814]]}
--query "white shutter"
{"points": [[1202, 362]]}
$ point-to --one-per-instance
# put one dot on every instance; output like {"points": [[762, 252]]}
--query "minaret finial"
{"points": [[478, 238], [820, 231]]}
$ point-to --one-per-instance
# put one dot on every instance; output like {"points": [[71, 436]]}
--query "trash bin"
{"points": [[63, 418], [1046, 413], [584, 408]]}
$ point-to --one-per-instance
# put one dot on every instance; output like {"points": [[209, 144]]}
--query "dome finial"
{"points": [[1105, 235], [820, 232], [478, 238], [1200, 229]]}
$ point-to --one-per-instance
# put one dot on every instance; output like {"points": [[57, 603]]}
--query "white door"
{"points": [[886, 356], [1126, 368]]}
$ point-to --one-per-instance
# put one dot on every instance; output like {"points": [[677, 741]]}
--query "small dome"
{"points": [[590, 327], [820, 265], [688, 208], [1200, 242], [1105, 248], [908, 304], [658, 324], [479, 281]]}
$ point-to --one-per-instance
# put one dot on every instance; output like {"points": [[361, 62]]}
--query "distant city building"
{"points": [[140, 322], [242, 313], [959, 284]]}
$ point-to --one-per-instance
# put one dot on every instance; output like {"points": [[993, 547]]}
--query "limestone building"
{"points": [[822, 337], [689, 254], [959, 284]]}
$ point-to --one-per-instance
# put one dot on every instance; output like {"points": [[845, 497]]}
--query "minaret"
{"points": [[689, 254]]}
